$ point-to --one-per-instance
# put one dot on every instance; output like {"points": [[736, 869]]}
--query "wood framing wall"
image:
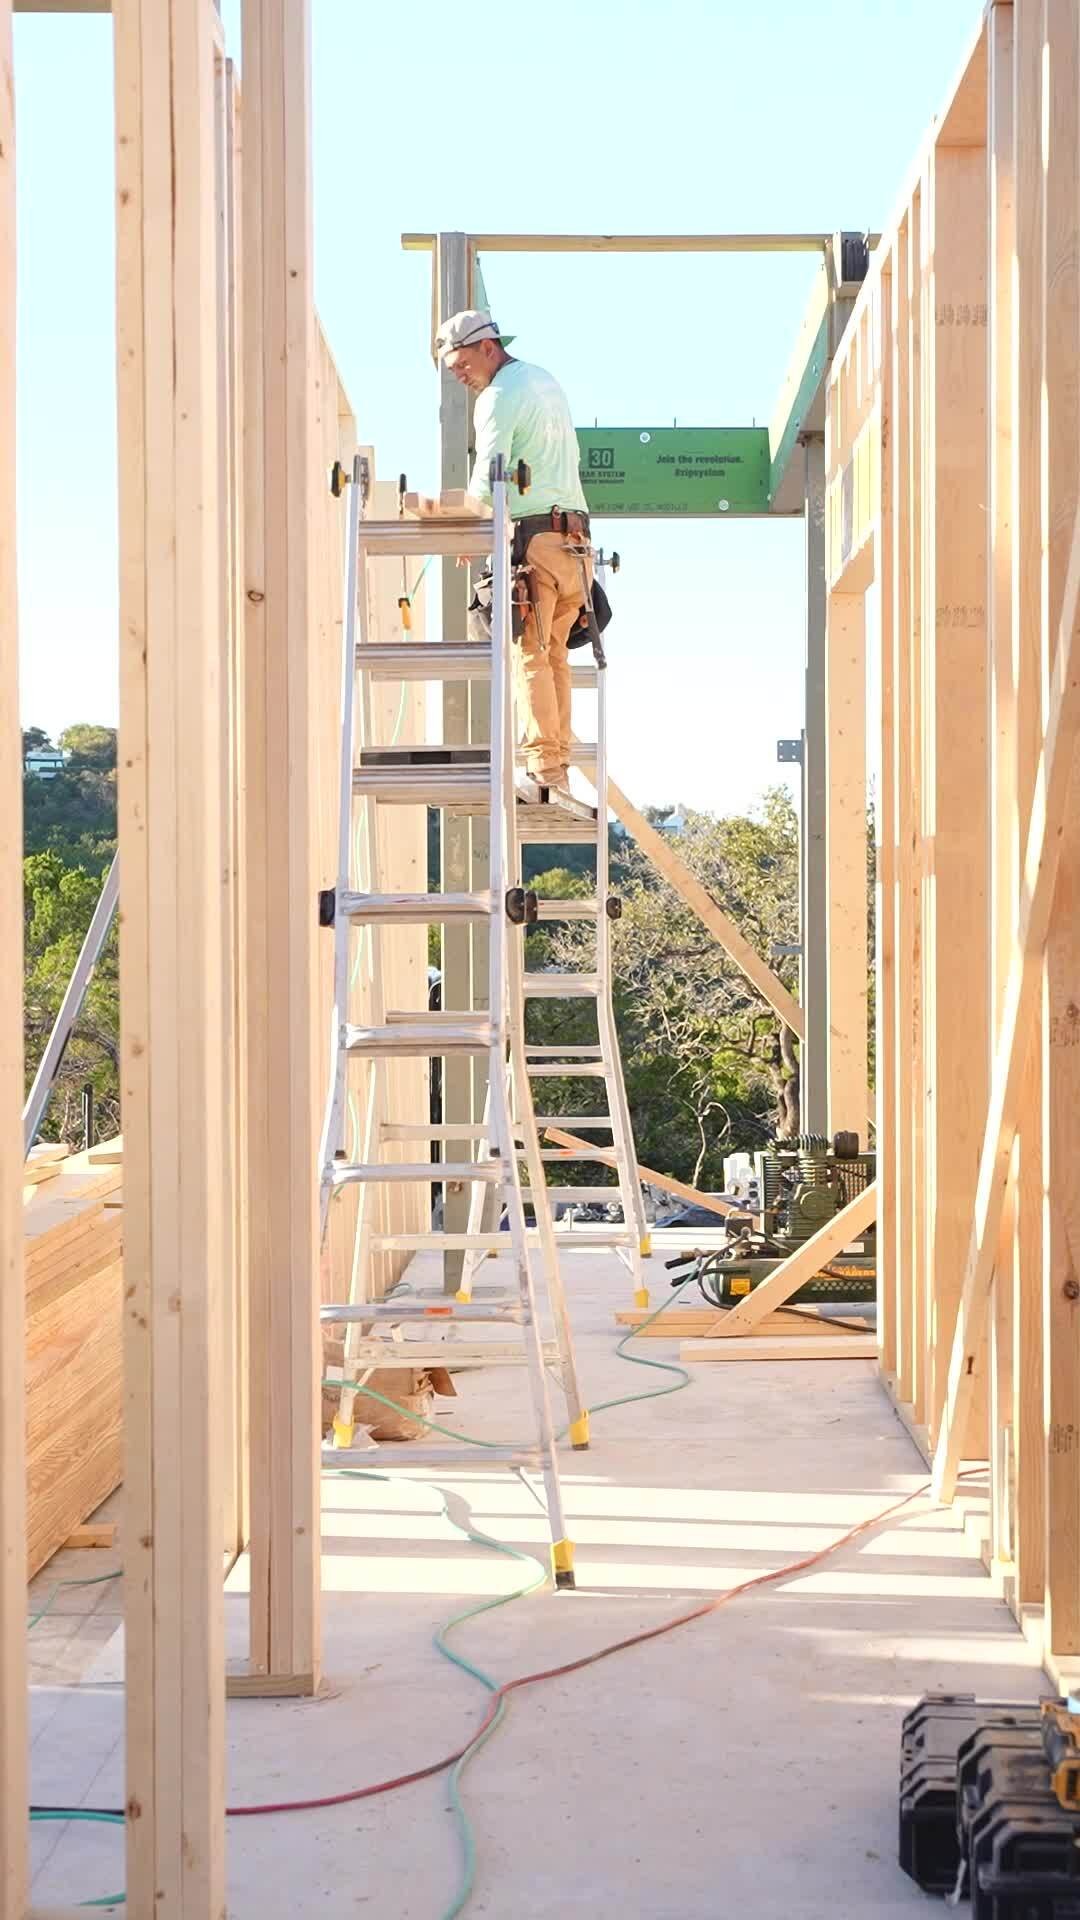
{"points": [[231, 411], [954, 479]]}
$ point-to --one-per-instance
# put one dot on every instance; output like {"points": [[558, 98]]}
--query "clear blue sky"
{"points": [[625, 115]]}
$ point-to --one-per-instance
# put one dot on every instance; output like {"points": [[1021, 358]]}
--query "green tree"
{"points": [[58, 903], [89, 746], [74, 813]]}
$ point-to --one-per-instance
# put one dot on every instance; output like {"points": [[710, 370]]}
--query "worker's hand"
{"points": [[462, 560]]}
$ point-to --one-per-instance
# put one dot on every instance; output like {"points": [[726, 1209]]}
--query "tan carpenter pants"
{"points": [[542, 669]]}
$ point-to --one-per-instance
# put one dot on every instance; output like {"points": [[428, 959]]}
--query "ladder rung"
{"points": [[351, 1174], [570, 1070], [588, 1233], [415, 909], [567, 909], [555, 1154], [440, 1353], [563, 1053], [426, 660], [425, 1457], [591, 1121], [472, 538], [589, 1196], [402, 1040], [561, 986], [584, 676], [421, 1130], [445, 1313]]}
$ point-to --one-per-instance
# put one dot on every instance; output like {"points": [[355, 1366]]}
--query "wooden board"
{"points": [[827, 1347], [74, 1409], [845, 839], [1028, 1438], [14, 1876], [955, 811], [1060, 1036], [173, 1036], [283, 718]]}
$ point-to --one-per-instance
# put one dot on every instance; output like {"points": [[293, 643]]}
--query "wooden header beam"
{"points": [[630, 242]]}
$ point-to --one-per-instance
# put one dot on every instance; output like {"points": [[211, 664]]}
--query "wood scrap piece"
{"points": [[705, 1323], [852, 1346], [606, 1157], [102, 1535]]}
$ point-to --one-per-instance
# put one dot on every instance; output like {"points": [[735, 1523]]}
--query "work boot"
{"points": [[555, 778]]}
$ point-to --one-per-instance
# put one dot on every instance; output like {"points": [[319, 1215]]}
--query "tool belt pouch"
{"points": [[480, 604], [582, 630], [479, 620]]}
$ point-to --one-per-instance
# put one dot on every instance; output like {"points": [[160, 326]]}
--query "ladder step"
{"points": [[425, 1039], [421, 1130], [584, 676], [556, 1154], [441, 1353], [445, 1312], [353, 1174], [468, 536], [561, 986], [426, 660], [584, 1234], [549, 827], [477, 1458], [415, 909], [570, 1070], [567, 909], [592, 1122]]}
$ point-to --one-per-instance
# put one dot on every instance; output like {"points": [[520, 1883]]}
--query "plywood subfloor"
{"points": [[746, 1764]]}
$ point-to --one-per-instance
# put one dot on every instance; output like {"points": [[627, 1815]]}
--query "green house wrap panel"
{"points": [[699, 471]]}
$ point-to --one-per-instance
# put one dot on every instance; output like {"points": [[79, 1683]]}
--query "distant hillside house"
{"points": [[44, 762]]}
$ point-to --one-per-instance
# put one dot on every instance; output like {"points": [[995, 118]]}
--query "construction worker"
{"points": [[522, 413]]}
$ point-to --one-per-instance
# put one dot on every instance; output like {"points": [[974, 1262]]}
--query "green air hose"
{"points": [[468, 1839], [77, 1813], [95, 1580]]}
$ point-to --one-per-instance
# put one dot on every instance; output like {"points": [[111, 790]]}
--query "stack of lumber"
{"points": [[72, 1248]]}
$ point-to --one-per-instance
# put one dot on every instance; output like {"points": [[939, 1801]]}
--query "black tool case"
{"points": [[1022, 1848], [942, 1819]]}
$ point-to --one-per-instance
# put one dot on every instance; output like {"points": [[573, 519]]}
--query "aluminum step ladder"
{"points": [[482, 780], [599, 1062]]}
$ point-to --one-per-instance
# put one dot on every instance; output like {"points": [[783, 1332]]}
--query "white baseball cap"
{"points": [[467, 330]]}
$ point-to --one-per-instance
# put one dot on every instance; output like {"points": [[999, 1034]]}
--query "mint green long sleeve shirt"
{"points": [[524, 415]]}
